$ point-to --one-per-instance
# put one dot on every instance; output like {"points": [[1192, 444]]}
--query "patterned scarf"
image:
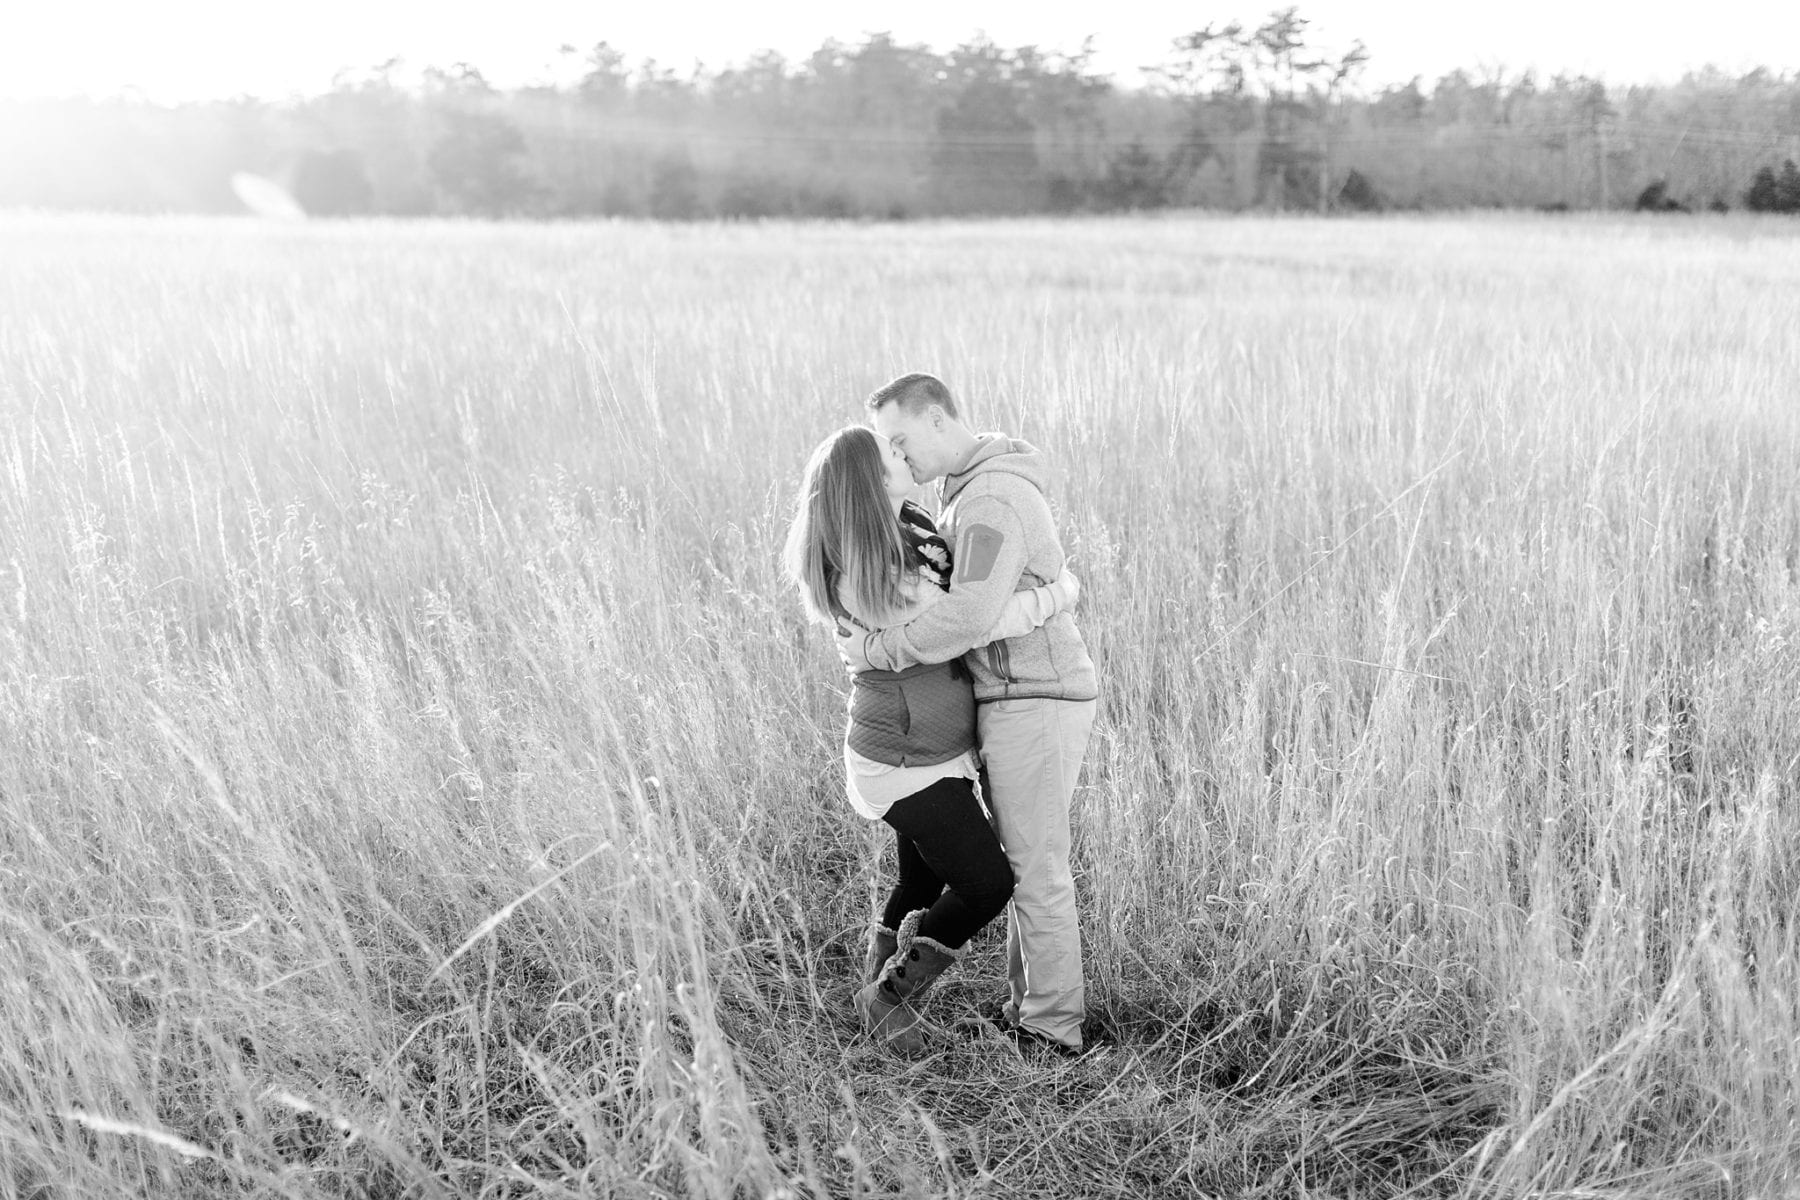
{"points": [[921, 533]]}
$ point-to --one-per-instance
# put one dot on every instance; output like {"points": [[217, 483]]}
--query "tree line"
{"points": [[1238, 116]]}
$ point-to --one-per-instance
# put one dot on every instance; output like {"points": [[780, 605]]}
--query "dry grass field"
{"points": [[417, 780]]}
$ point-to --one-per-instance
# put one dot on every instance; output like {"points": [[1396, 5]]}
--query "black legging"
{"points": [[951, 863]]}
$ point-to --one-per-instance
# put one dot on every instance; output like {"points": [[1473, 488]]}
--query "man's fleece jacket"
{"points": [[994, 513]]}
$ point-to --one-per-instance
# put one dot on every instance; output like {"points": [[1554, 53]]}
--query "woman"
{"points": [[861, 553]]}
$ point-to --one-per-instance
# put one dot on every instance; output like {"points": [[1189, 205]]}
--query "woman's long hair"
{"points": [[844, 533]]}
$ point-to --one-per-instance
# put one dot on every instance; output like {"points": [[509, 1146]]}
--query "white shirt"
{"points": [[874, 786]]}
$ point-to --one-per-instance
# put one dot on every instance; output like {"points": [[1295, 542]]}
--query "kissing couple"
{"points": [[971, 701]]}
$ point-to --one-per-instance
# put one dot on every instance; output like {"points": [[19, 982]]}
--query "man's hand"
{"points": [[1065, 589], [853, 648]]}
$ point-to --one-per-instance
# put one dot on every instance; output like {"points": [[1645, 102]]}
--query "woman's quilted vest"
{"points": [[918, 717], [923, 715]]}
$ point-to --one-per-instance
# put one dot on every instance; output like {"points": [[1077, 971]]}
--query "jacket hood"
{"points": [[998, 452]]}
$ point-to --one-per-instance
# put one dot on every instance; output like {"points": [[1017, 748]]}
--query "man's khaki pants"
{"points": [[1031, 751]]}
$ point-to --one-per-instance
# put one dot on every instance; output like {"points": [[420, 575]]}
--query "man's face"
{"points": [[915, 437], [900, 482]]}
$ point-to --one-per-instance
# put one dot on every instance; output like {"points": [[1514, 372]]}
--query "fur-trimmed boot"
{"points": [[888, 1003], [882, 944]]}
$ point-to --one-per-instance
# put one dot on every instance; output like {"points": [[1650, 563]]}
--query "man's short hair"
{"points": [[915, 392]]}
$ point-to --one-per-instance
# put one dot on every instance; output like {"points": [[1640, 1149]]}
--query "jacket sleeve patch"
{"points": [[976, 553]]}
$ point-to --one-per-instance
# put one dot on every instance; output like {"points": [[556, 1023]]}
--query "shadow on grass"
{"points": [[1214, 1097]]}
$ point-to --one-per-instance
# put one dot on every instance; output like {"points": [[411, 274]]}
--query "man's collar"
{"points": [[963, 463]]}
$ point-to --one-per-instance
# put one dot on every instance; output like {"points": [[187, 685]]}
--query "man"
{"points": [[1035, 695]]}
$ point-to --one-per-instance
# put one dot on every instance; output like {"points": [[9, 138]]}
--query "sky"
{"points": [[180, 50]]}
